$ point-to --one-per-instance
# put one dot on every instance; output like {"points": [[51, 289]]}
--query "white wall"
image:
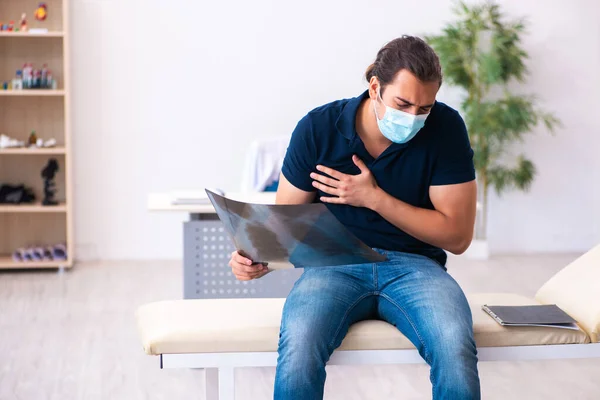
{"points": [[167, 95]]}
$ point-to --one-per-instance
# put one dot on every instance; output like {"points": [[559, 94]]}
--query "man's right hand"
{"points": [[244, 270]]}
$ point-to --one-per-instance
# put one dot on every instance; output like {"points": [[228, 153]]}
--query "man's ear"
{"points": [[373, 86]]}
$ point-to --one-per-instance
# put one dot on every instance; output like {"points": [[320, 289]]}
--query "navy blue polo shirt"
{"points": [[440, 154]]}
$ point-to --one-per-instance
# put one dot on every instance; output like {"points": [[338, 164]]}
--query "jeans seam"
{"points": [[345, 317], [427, 356], [375, 276]]}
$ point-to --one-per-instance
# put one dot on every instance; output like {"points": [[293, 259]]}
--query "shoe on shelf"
{"points": [[19, 255], [49, 143], [27, 254], [7, 142], [37, 253], [16, 194], [59, 252], [48, 253]]}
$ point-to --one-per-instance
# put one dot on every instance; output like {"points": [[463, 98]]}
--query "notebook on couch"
{"points": [[548, 315]]}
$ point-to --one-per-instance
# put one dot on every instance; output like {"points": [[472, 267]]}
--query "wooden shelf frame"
{"points": [[49, 34], [6, 262], [34, 92], [33, 208], [48, 112], [22, 151]]}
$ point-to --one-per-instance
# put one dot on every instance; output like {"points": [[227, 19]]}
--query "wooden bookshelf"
{"points": [[47, 112]]}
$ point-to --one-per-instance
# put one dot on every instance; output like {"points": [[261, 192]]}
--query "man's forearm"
{"points": [[429, 226]]}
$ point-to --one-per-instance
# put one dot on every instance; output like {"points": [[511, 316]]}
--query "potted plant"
{"points": [[481, 53]]}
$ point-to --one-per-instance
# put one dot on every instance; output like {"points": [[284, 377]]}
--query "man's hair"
{"points": [[406, 52]]}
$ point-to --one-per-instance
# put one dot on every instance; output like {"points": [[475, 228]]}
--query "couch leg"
{"points": [[220, 383]]}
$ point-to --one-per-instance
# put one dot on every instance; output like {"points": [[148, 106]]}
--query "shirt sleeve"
{"points": [[300, 157], [454, 162]]}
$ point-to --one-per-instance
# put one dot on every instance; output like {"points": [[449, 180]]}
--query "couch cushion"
{"points": [[576, 289], [252, 325]]}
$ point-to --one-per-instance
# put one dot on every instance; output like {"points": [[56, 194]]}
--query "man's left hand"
{"points": [[356, 190]]}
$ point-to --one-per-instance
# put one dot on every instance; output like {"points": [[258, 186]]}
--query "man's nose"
{"points": [[414, 110]]}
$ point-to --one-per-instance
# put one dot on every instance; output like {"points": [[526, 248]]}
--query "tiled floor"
{"points": [[73, 336]]}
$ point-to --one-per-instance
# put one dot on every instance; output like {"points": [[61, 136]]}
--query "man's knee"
{"points": [[302, 344], [454, 345]]}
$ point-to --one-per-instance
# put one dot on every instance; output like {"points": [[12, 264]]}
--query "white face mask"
{"points": [[398, 126]]}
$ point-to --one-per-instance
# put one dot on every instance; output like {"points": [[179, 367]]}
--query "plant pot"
{"points": [[478, 250]]}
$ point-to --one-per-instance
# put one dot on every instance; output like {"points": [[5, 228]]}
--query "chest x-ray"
{"points": [[305, 235]]}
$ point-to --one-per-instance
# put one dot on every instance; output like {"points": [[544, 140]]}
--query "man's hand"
{"points": [[243, 269], [356, 190]]}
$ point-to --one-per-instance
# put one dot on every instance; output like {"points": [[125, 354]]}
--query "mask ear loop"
{"points": [[375, 103]]}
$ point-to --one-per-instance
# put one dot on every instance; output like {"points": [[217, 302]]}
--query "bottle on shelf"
{"points": [[36, 79], [11, 26], [23, 22], [44, 77], [49, 80], [27, 76], [17, 83]]}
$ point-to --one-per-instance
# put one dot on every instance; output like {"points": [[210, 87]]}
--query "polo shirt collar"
{"points": [[346, 122]]}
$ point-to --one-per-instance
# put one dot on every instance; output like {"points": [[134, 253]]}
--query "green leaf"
{"points": [[490, 68], [521, 176]]}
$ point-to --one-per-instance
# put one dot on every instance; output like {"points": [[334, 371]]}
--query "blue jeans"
{"points": [[411, 292]]}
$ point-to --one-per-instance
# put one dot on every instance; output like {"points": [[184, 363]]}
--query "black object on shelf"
{"points": [[48, 173], [16, 194]]}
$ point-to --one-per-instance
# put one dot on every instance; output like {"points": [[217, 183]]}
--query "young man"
{"points": [[396, 168]]}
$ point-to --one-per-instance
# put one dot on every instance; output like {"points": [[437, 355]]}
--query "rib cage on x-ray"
{"points": [[305, 235]]}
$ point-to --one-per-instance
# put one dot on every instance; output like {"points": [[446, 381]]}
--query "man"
{"points": [[396, 168]]}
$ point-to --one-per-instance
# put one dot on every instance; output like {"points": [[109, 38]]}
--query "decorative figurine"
{"points": [[41, 12], [48, 173], [32, 139], [11, 26], [23, 22]]}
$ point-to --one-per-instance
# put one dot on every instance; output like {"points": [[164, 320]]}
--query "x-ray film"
{"points": [[304, 235]]}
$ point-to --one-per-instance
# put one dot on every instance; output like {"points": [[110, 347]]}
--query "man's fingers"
{"points": [[246, 276], [241, 259], [359, 163], [326, 189], [331, 172], [323, 179], [332, 200], [244, 269], [249, 268]]}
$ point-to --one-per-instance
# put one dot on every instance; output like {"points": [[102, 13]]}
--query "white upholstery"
{"points": [[576, 289], [252, 325]]}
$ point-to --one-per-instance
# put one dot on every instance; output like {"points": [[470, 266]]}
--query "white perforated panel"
{"points": [[207, 249]]}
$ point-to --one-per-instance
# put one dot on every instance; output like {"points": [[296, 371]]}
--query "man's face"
{"points": [[405, 93]]}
